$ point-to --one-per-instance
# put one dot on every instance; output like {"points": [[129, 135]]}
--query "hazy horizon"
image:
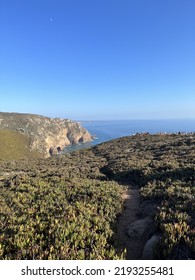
{"points": [[107, 120]]}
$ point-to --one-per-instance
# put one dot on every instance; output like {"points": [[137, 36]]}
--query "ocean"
{"points": [[107, 130]]}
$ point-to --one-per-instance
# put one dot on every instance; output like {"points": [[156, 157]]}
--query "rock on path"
{"points": [[133, 232]]}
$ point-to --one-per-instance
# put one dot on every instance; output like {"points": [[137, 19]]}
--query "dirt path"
{"points": [[132, 209]]}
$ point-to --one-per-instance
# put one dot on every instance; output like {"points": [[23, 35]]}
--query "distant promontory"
{"points": [[46, 135]]}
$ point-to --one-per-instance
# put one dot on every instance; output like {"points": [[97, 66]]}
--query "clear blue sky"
{"points": [[98, 59]]}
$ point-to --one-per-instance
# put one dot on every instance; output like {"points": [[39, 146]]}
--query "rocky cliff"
{"points": [[45, 134]]}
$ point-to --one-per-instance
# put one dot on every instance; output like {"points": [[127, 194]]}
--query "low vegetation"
{"points": [[66, 207], [58, 219], [163, 167]]}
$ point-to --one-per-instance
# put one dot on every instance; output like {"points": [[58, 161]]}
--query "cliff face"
{"points": [[45, 133]]}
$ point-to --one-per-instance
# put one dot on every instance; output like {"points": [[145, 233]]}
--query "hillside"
{"points": [[14, 146], [69, 207], [43, 132]]}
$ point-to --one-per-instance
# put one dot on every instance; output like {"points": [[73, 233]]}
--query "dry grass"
{"points": [[14, 146]]}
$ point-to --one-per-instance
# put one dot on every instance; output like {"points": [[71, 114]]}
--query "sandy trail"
{"points": [[131, 212]]}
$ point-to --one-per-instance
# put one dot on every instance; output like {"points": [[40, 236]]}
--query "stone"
{"points": [[148, 251], [141, 228]]}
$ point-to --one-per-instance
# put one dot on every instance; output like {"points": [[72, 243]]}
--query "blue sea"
{"points": [[107, 130]]}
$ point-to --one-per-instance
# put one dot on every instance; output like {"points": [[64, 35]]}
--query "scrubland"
{"points": [[67, 207]]}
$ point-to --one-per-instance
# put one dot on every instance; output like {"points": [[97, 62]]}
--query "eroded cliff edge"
{"points": [[44, 132]]}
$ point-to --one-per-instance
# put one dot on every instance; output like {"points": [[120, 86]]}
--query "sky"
{"points": [[98, 59]]}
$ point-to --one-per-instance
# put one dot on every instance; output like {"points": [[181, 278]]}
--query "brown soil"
{"points": [[131, 212]]}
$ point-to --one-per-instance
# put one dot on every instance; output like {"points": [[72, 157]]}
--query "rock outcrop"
{"points": [[45, 133]]}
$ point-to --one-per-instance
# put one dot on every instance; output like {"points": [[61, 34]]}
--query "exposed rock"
{"points": [[45, 133], [148, 252], [141, 228]]}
